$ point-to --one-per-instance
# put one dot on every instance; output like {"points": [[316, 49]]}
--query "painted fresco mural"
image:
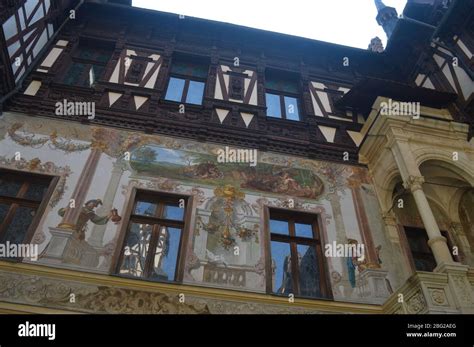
{"points": [[229, 199]]}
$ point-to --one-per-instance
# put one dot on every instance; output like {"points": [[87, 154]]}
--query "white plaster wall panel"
{"points": [[328, 132], [439, 60], [428, 84], [467, 85], [51, 57], [218, 90], [356, 137], [115, 75], [464, 48], [247, 117], [139, 101], [222, 114], [317, 109], [113, 97], [33, 88], [323, 96], [449, 76], [62, 43], [419, 79]]}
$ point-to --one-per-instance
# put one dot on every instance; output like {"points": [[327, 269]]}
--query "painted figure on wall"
{"points": [[88, 214]]}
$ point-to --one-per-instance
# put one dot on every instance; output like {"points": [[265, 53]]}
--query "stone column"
{"points": [[413, 180], [98, 231], [436, 241]]}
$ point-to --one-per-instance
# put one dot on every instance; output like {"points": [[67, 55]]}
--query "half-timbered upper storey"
{"points": [[166, 73]]}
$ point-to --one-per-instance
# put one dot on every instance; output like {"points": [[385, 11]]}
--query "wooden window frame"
{"points": [[187, 81], [160, 198], [282, 95], [293, 217], [19, 200], [89, 63], [409, 252]]}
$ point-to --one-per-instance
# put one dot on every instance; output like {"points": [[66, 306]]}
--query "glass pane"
{"points": [[136, 249], [308, 271], [36, 191], [146, 208], [9, 187], [189, 69], [291, 106], [9, 27], [74, 74], [279, 227], [304, 230], [282, 280], [424, 262], [3, 212], [281, 84], [195, 93], [18, 226], [173, 212], [273, 105], [97, 71], [166, 254], [94, 53], [175, 89]]}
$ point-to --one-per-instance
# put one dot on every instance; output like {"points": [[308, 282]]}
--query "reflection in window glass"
{"points": [[3, 211], [175, 89], [9, 187], [304, 230], [136, 249], [173, 212], [145, 208], [18, 227], [195, 93], [273, 105], [278, 227], [73, 75], [291, 107], [281, 268], [308, 271], [36, 191], [166, 254]]}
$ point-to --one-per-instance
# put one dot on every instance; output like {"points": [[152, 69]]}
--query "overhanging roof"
{"points": [[362, 96]]}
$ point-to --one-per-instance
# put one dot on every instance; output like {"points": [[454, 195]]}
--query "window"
{"points": [[88, 64], [421, 252], [282, 96], [154, 237], [296, 256], [187, 82], [21, 204]]}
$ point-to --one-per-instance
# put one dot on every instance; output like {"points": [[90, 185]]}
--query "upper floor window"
{"points": [[21, 203], [187, 82], [88, 63], [421, 253], [281, 95], [154, 237], [297, 265]]}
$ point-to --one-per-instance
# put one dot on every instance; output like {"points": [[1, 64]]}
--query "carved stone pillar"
{"points": [[436, 241]]}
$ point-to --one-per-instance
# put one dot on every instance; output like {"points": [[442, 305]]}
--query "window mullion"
{"points": [[151, 250], [294, 267], [282, 106], [185, 91]]}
